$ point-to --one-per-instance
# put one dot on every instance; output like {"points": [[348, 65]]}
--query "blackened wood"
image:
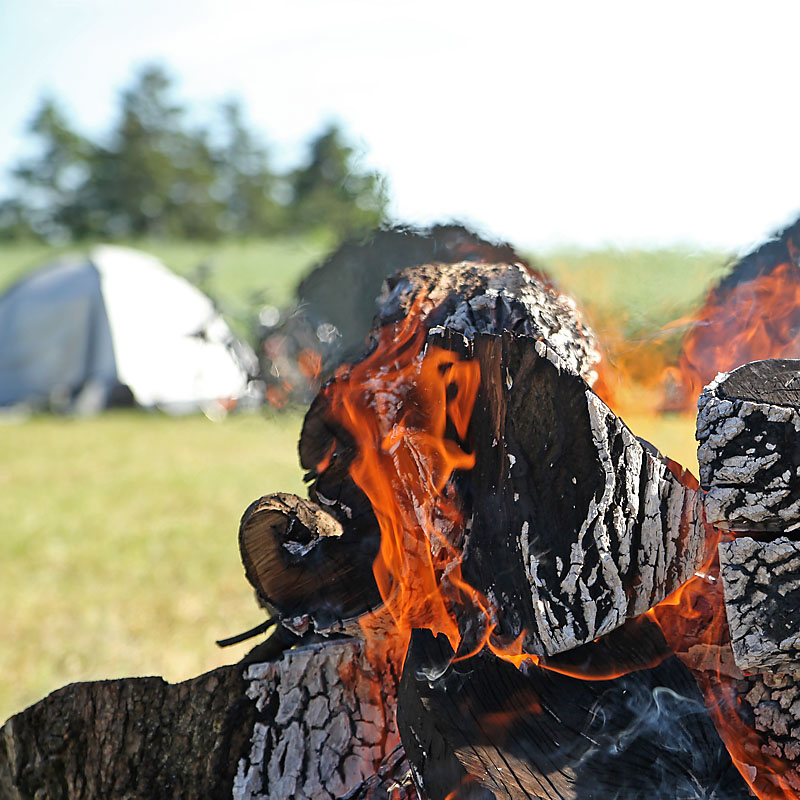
{"points": [[761, 582], [480, 728], [492, 298], [574, 525], [316, 722], [326, 728], [300, 562], [132, 738], [341, 291], [748, 427], [773, 700]]}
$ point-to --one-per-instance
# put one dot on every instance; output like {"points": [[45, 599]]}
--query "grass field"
{"points": [[118, 551]]}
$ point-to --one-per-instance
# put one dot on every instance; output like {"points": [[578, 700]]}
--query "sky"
{"points": [[547, 123]]}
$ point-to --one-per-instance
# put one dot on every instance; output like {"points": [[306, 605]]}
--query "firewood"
{"points": [[748, 427], [761, 580], [317, 722], [133, 738], [294, 557], [574, 525], [480, 728], [327, 727]]}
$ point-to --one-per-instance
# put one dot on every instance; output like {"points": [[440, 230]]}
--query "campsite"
{"points": [[399, 401], [122, 525]]}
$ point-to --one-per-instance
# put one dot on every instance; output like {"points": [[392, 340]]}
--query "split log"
{"points": [[480, 728], [318, 723], [762, 597], [748, 427], [574, 525]]}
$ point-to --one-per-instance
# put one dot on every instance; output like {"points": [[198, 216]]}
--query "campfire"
{"points": [[494, 588], [545, 605]]}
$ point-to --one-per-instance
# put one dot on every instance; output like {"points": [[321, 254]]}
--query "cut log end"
{"points": [[748, 429]]}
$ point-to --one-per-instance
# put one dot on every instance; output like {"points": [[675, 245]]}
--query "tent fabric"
{"points": [[117, 318]]}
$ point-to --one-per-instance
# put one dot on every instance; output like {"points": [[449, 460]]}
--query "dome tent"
{"points": [[90, 330]]}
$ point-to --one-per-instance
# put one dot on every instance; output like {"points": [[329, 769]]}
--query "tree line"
{"points": [[156, 175]]}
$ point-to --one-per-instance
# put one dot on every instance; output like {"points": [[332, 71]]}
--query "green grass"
{"points": [[118, 548], [636, 292]]}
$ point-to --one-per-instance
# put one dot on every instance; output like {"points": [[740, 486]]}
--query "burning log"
{"points": [[762, 598], [748, 427], [479, 728], [752, 314], [576, 524]]}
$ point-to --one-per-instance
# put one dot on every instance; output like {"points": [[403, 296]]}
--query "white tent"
{"points": [[89, 327]]}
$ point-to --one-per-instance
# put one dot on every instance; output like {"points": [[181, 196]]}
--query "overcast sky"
{"points": [[589, 123]]}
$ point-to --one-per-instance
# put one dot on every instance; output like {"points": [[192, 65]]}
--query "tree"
{"points": [[244, 182], [49, 184], [332, 191]]}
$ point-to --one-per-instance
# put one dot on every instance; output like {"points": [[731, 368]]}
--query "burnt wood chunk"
{"points": [[132, 738], [748, 427], [492, 298], [326, 727], [481, 729], [294, 556], [761, 580], [573, 524], [774, 701]]}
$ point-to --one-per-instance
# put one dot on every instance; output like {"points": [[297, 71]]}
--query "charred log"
{"points": [[762, 597], [574, 524], [299, 560], [748, 427], [326, 727], [483, 729], [133, 738], [317, 722]]}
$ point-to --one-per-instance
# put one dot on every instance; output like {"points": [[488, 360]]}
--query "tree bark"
{"points": [[130, 738], [761, 580], [318, 722]]}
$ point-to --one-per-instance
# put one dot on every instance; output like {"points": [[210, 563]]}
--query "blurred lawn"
{"points": [[118, 553]]}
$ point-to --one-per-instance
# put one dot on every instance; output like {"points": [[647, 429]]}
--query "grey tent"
{"points": [[116, 323]]}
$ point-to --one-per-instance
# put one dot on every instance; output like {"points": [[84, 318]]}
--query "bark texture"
{"points": [[327, 728], [130, 738], [761, 580], [775, 703], [748, 427], [573, 524]]}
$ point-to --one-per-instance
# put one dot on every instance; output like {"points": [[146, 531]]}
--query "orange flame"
{"points": [[397, 405], [756, 319], [408, 408]]}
